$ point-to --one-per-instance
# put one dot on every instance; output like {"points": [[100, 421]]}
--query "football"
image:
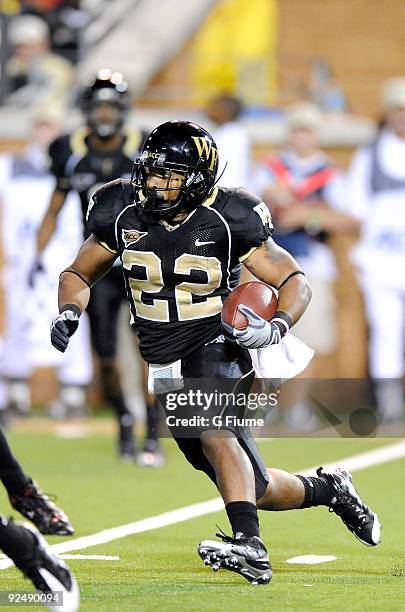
{"points": [[261, 298]]}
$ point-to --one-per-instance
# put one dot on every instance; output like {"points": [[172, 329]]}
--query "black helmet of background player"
{"points": [[107, 89], [184, 148]]}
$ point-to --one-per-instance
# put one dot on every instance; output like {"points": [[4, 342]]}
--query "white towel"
{"points": [[281, 361]]}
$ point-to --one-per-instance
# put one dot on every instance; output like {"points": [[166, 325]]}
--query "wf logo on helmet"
{"points": [[204, 147], [131, 236]]}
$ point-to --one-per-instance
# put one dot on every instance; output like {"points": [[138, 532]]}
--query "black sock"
{"points": [[11, 473], [319, 491], [16, 541], [152, 421], [243, 517]]}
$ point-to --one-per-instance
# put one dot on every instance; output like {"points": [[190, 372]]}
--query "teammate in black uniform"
{"points": [[26, 496], [23, 544], [32, 555], [82, 161], [181, 240]]}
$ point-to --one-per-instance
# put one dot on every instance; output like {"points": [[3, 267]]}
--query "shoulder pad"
{"points": [[60, 149], [105, 206], [133, 142], [248, 218], [77, 141], [60, 152]]}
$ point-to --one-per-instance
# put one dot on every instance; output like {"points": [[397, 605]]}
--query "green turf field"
{"points": [[160, 570]]}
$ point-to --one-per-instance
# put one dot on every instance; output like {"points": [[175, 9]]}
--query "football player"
{"points": [[26, 496], [182, 240], [82, 161], [32, 555], [24, 545]]}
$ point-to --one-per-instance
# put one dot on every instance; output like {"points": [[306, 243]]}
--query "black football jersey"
{"points": [[177, 277], [80, 167]]}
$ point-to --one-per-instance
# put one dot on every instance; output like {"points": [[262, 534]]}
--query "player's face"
{"points": [[303, 140], [105, 114], [168, 181]]}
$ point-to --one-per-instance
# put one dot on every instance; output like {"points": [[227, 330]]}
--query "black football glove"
{"points": [[259, 332], [36, 268], [64, 326]]}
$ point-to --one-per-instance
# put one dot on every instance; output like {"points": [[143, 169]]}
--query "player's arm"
{"points": [[45, 232], [92, 262], [59, 152], [48, 224], [274, 266]]}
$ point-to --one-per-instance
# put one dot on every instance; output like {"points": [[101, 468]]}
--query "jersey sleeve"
{"points": [[59, 153], [249, 221], [104, 207]]}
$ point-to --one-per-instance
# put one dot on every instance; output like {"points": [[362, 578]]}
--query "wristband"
{"points": [[72, 307], [283, 318]]}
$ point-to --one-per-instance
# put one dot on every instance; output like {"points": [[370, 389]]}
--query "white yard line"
{"points": [[84, 557], [308, 559], [353, 463], [91, 557]]}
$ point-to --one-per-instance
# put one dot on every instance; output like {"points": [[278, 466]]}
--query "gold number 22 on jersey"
{"points": [[187, 309]]}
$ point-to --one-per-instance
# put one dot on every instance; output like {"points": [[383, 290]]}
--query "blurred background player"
{"points": [[37, 75], [101, 151], [232, 139], [25, 188], [376, 196], [26, 496]]}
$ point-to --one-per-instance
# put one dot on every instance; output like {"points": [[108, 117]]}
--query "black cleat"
{"points": [[245, 556], [38, 508], [126, 443], [50, 575], [347, 504]]}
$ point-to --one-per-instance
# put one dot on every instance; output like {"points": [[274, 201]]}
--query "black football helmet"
{"points": [[106, 88], [182, 147]]}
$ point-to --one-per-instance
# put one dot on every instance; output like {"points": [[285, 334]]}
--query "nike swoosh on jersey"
{"points": [[198, 242]]}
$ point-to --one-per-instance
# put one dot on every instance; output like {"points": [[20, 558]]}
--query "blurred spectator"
{"points": [[40, 6], [325, 90], [25, 187], [232, 140], [303, 189], [376, 196], [66, 20], [38, 77]]}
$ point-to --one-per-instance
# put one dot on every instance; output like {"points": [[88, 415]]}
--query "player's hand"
{"points": [[64, 326], [259, 332], [36, 268]]}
